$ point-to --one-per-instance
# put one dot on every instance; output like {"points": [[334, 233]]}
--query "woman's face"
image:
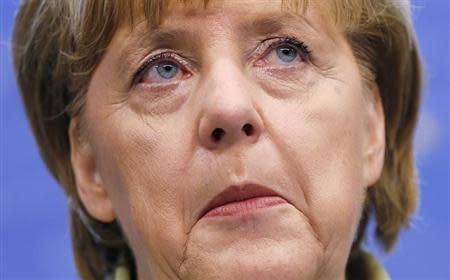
{"points": [[240, 98]]}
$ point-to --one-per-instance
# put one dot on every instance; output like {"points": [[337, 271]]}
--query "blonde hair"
{"points": [[57, 45]]}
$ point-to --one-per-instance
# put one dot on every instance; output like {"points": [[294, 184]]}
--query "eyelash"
{"points": [[279, 41]]}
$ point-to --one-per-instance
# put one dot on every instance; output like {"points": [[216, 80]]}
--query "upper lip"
{"points": [[238, 193]]}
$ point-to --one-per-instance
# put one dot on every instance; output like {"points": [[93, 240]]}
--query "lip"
{"points": [[238, 199]]}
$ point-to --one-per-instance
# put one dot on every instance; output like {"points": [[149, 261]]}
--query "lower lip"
{"points": [[243, 207]]}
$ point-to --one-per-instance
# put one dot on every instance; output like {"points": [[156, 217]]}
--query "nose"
{"points": [[229, 116]]}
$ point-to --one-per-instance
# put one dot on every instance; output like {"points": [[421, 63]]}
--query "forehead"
{"points": [[260, 16], [156, 11]]}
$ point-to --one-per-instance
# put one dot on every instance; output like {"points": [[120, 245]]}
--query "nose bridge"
{"points": [[229, 115], [228, 89]]}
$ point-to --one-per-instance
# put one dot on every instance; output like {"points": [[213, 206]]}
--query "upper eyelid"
{"points": [[264, 46], [270, 43]]}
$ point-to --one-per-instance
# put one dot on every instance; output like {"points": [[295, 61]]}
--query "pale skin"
{"points": [[145, 155]]}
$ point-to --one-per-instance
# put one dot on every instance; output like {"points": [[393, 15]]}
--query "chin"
{"points": [[250, 247], [263, 260]]}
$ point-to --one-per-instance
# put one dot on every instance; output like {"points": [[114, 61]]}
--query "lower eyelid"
{"points": [[265, 63], [292, 69], [294, 72], [159, 86], [168, 83]]}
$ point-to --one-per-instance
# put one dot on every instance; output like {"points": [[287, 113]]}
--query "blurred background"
{"points": [[35, 239]]}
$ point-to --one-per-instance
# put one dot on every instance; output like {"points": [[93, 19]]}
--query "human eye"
{"points": [[282, 52], [161, 69]]}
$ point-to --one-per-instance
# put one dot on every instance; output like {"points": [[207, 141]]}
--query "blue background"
{"points": [[35, 240]]}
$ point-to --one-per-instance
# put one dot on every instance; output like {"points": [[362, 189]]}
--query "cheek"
{"points": [[322, 134], [143, 164]]}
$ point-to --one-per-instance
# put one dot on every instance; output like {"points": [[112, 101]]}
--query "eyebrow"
{"points": [[173, 38], [271, 23]]}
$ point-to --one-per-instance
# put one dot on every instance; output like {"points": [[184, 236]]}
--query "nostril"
{"points": [[248, 129], [217, 134]]}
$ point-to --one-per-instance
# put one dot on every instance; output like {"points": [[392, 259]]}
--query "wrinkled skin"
{"points": [[146, 156]]}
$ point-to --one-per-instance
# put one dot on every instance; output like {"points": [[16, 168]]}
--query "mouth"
{"points": [[240, 200]]}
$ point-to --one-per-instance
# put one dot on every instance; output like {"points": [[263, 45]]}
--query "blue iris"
{"points": [[286, 54], [167, 70]]}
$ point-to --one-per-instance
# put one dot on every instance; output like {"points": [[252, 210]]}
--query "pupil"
{"points": [[286, 54], [167, 70]]}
